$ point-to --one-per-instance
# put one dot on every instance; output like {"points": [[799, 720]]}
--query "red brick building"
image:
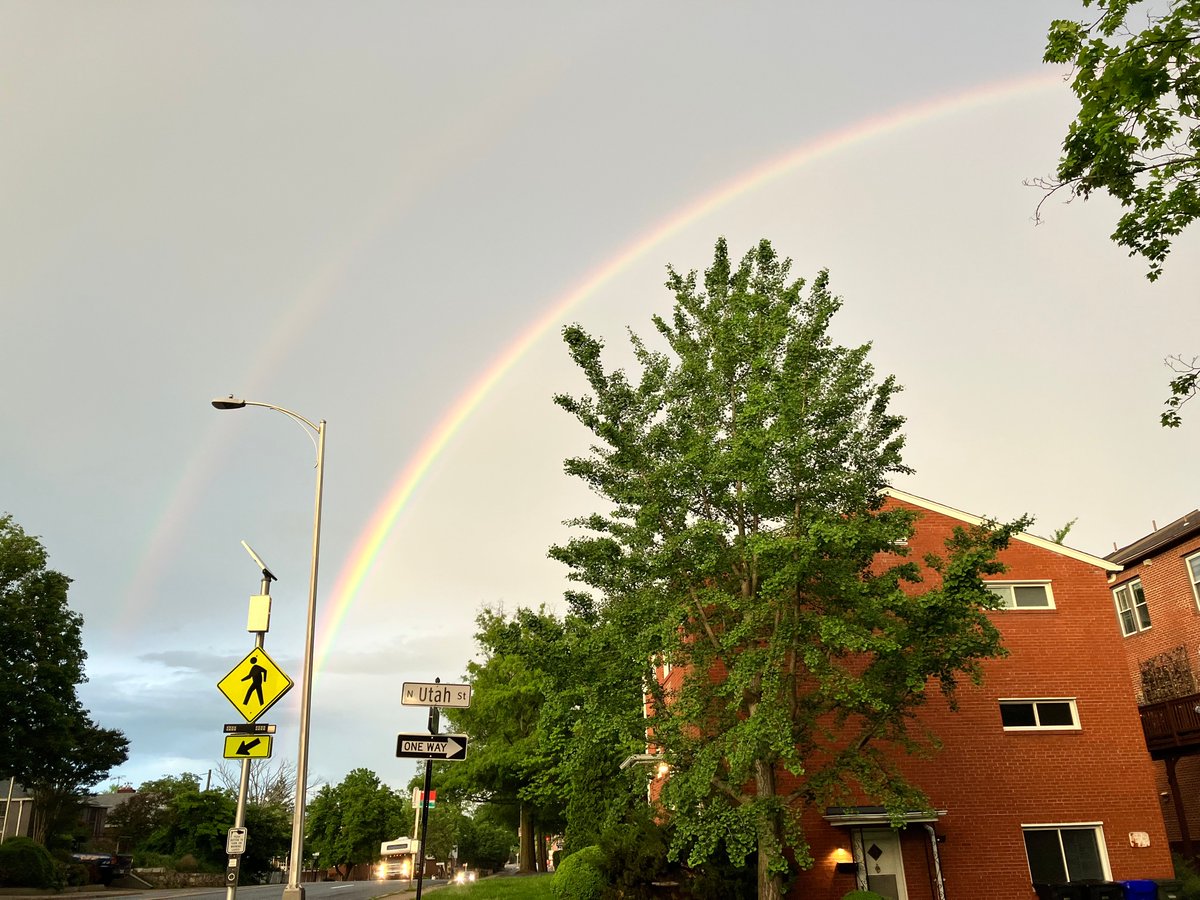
{"points": [[1157, 602], [1044, 774]]}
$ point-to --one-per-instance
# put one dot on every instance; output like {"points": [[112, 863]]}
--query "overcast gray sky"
{"points": [[357, 210]]}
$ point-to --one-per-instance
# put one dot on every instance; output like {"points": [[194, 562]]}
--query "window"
{"points": [[1061, 853], [1193, 565], [1039, 715], [1022, 594], [1131, 607]]}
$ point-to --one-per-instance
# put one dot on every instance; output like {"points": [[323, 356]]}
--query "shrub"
{"points": [[635, 856], [1188, 877], [863, 895], [580, 877], [25, 863]]}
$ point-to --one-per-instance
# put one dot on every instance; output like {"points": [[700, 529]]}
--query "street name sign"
{"points": [[235, 842], [249, 728], [254, 684], [244, 746], [431, 746], [417, 693]]}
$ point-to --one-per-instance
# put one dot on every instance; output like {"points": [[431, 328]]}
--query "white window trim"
{"points": [[1036, 700], [1025, 582], [1098, 827], [1187, 564], [1133, 607]]}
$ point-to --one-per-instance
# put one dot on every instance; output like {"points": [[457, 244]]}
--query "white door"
{"points": [[885, 868]]}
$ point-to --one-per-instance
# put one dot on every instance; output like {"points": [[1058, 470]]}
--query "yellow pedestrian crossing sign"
{"points": [[254, 684], [247, 746]]}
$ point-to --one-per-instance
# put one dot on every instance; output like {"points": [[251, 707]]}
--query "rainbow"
{"points": [[373, 537]]}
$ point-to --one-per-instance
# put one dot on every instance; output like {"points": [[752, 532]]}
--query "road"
{"points": [[319, 890]]}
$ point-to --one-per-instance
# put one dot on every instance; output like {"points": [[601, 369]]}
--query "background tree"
{"points": [[272, 783], [57, 753], [507, 751], [347, 822], [194, 825], [149, 809], [486, 840], [1135, 135], [741, 540]]}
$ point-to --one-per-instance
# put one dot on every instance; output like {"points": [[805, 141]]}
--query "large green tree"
{"points": [[52, 747], [744, 539], [347, 822]]}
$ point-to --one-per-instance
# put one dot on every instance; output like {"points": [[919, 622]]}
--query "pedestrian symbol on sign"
{"points": [[255, 676], [254, 684]]}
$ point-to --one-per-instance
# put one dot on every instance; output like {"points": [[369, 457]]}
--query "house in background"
{"points": [[1157, 602], [18, 806], [1044, 776]]}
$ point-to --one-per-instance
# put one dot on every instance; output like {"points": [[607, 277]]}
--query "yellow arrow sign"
{"points": [[247, 746], [254, 684]]}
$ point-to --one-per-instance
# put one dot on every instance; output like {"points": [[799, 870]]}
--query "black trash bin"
{"points": [[1170, 889], [1102, 890], [1059, 891]]}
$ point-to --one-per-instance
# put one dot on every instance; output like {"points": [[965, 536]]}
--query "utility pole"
{"points": [[258, 622], [433, 729]]}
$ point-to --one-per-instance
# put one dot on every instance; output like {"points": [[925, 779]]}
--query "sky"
{"points": [[382, 214]]}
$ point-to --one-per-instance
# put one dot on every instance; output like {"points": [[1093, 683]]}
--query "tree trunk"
{"points": [[525, 858], [540, 837], [770, 837]]}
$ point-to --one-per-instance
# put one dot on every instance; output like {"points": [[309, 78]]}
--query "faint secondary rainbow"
{"points": [[372, 538]]}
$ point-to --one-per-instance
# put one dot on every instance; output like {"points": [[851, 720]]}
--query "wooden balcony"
{"points": [[1172, 727]]}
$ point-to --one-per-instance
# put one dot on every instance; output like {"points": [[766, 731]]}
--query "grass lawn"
{"points": [[514, 887]]}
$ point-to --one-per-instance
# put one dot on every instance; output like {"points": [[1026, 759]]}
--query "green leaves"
{"points": [[1135, 134], [745, 542]]}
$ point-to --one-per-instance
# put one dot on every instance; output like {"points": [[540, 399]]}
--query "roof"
{"points": [[1107, 564], [874, 815], [1155, 541]]}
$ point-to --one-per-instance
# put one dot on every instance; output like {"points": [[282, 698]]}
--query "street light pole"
{"points": [[294, 890]]}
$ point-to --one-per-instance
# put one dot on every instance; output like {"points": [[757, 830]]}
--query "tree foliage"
{"points": [[347, 822], [54, 749], [1135, 135], [555, 706], [173, 817], [745, 541]]}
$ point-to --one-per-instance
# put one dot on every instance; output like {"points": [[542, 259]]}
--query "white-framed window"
{"points": [[1068, 852], [1131, 607], [1022, 594], [1193, 566], [1041, 714]]}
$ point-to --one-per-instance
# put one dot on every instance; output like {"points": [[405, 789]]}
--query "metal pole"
{"points": [[239, 817], [294, 890], [433, 728]]}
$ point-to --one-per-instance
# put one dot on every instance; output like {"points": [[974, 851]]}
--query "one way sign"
{"points": [[431, 746]]}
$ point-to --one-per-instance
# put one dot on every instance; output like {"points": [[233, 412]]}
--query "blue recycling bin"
{"points": [[1140, 889]]}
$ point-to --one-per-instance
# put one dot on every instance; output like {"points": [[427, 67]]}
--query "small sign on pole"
{"points": [[419, 693], [431, 746], [235, 842]]}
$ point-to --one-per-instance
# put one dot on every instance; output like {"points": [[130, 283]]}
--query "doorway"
{"points": [[883, 862]]}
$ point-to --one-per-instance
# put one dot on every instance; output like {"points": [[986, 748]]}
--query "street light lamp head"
{"points": [[230, 402]]}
